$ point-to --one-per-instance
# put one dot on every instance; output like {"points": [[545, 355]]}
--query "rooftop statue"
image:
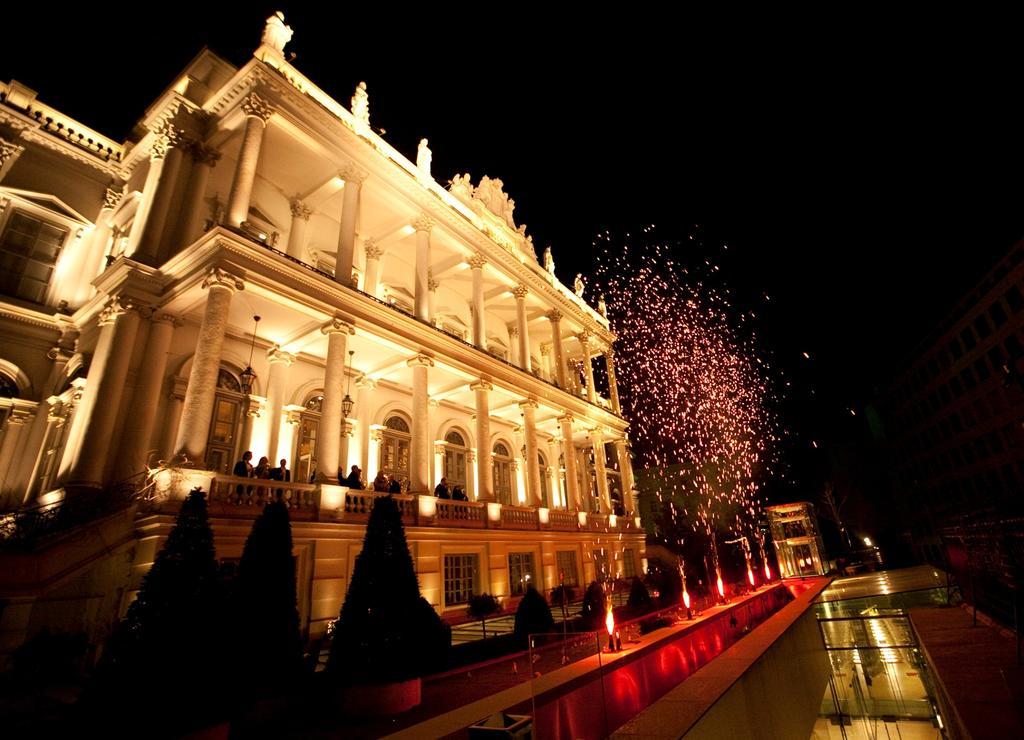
{"points": [[549, 260], [423, 158], [579, 284], [461, 186], [361, 108], [276, 34], [602, 307]]}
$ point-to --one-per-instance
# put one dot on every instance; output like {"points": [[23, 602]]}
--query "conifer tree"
{"points": [[593, 609], [266, 607], [533, 615], [172, 636], [386, 632]]}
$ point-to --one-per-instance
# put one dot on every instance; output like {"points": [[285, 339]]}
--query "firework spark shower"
{"points": [[697, 390]]}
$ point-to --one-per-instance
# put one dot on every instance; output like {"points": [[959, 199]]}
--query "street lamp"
{"points": [[346, 402], [249, 375]]}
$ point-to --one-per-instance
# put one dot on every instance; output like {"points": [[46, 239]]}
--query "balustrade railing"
{"points": [[518, 517], [461, 513], [232, 493], [564, 521]]}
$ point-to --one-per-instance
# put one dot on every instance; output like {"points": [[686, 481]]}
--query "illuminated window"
{"points": [[520, 572], [396, 442], [503, 474], [29, 249], [628, 563], [456, 456], [566, 560], [460, 578]]}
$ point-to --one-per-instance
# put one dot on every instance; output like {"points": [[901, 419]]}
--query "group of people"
{"points": [[244, 469], [456, 494]]}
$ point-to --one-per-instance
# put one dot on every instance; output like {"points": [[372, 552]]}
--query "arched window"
{"points": [[309, 426], [8, 388], [456, 457], [225, 425], [394, 449], [502, 474]]}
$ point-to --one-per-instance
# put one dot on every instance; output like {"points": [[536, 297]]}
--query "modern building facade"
{"points": [[953, 418], [797, 539], [403, 327]]}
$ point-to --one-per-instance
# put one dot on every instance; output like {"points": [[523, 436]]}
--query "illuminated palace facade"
{"points": [[404, 326]]}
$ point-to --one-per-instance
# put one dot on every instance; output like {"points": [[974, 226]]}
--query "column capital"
{"points": [[351, 173], [255, 106], [60, 354], [432, 284], [253, 405], [420, 361], [529, 403], [520, 292], [585, 337], [554, 316], [299, 209], [481, 385], [373, 252], [477, 261], [116, 306], [566, 419], [205, 155], [433, 403], [596, 432], [169, 136], [545, 350], [277, 355], [337, 325], [8, 150], [423, 222], [513, 331], [112, 198], [20, 415], [365, 381], [221, 278]]}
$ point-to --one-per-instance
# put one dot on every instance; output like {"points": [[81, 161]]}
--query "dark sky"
{"points": [[863, 169]]}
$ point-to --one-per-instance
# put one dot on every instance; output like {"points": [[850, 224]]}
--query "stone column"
{"points": [[419, 457], [545, 361], [16, 427], [197, 409], [613, 385], [364, 393], [194, 210], [572, 481], [344, 463], [477, 262], [432, 286], [520, 292], [533, 482], [148, 226], [277, 379], [252, 409], [626, 471], [555, 317], [353, 177], [513, 345], [371, 273], [423, 224], [484, 460], [555, 473], [257, 113], [328, 442], [600, 469], [119, 324], [588, 367], [102, 232], [297, 234], [138, 429]]}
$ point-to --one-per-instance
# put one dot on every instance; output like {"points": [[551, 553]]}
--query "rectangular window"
{"points": [[520, 572], [567, 567], [1014, 298], [628, 563], [997, 313], [460, 578], [29, 249]]}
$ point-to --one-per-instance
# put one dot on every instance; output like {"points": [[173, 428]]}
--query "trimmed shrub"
{"points": [[386, 632], [533, 615], [594, 608], [639, 598], [482, 606]]}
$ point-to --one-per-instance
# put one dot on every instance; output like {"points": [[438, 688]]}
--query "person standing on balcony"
{"points": [[243, 468], [282, 473], [262, 469], [354, 479], [441, 490], [458, 494], [380, 483]]}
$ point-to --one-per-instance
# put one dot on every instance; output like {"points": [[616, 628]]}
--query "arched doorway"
{"points": [[396, 441], [309, 426], [225, 426], [456, 457], [503, 474]]}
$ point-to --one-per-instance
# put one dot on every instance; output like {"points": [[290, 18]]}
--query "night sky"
{"points": [[864, 171]]}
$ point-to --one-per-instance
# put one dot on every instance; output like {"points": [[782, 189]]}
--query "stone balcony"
{"points": [[234, 497]]}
